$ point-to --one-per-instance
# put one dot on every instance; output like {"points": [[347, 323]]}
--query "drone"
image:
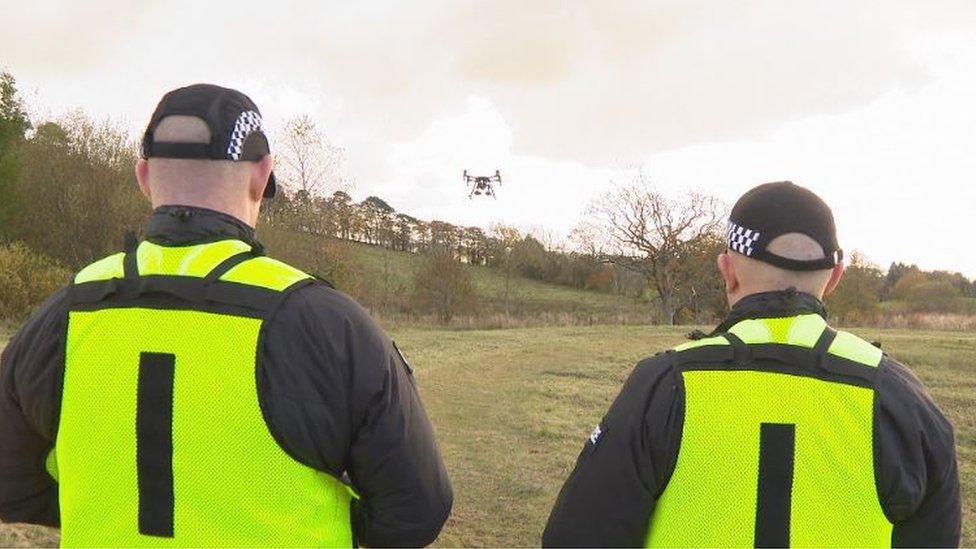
{"points": [[482, 184]]}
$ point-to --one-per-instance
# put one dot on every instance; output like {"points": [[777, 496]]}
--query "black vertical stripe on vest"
{"points": [[154, 443], [777, 444]]}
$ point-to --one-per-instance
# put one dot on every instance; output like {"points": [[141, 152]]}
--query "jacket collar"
{"points": [[775, 304], [187, 225]]}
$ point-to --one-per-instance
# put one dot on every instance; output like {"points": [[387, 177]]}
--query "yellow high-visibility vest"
{"points": [[774, 457], [162, 441]]}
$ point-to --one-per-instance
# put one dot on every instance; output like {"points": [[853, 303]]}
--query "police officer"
{"points": [[192, 391], [774, 430]]}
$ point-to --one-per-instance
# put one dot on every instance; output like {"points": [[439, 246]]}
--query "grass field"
{"points": [[512, 408]]}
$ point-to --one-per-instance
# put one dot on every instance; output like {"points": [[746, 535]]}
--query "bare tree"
{"points": [[505, 241], [309, 163], [309, 168], [552, 241], [648, 232]]}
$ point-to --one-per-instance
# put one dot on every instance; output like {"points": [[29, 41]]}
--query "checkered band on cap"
{"points": [[247, 122], [741, 239]]}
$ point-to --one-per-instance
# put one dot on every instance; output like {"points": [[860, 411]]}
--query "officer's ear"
{"points": [[260, 171], [835, 275], [727, 268], [142, 176]]}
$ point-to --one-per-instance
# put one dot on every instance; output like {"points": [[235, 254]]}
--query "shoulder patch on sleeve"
{"points": [[595, 435]]}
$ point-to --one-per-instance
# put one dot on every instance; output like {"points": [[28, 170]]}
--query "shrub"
{"points": [[443, 285], [26, 279]]}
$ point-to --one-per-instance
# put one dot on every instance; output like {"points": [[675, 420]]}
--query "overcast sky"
{"points": [[870, 104]]}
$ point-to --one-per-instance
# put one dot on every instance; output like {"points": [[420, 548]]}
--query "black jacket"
{"points": [[335, 390], [608, 499]]}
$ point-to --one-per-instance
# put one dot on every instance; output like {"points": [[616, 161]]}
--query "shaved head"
{"points": [[222, 185], [182, 129], [181, 179], [745, 276]]}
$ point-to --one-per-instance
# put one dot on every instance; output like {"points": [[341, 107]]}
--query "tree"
{"points": [[643, 230], [700, 291], [443, 284], [856, 297], [421, 239], [474, 244], [378, 221], [923, 292], [505, 255], [533, 259], [309, 165], [956, 280], [70, 169], [442, 236], [341, 206], [895, 273], [14, 124], [404, 228]]}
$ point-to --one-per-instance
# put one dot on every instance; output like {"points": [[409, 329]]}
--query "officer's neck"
{"points": [[772, 304], [176, 225]]}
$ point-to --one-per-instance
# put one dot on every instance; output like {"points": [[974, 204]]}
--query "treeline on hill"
{"points": [[69, 197], [451, 252]]}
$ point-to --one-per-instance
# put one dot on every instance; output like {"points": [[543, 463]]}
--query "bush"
{"points": [[444, 286], [26, 279]]}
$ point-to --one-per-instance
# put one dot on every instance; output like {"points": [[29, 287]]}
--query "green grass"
{"points": [[512, 408]]}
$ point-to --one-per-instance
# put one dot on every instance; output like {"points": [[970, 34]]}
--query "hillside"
{"points": [[383, 280]]}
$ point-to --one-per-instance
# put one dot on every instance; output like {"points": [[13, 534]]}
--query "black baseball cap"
{"points": [[775, 209], [234, 120]]}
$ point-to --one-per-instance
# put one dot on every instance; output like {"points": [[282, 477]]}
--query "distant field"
{"points": [[512, 408]]}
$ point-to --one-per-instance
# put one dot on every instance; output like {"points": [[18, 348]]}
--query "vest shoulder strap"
{"points": [[225, 261], [802, 346], [848, 346], [228, 273], [704, 342], [264, 272], [104, 269]]}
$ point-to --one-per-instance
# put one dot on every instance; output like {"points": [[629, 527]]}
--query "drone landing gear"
{"points": [[485, 192]]}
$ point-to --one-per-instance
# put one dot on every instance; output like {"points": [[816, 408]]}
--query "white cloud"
{"points": [[870, 107]]}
